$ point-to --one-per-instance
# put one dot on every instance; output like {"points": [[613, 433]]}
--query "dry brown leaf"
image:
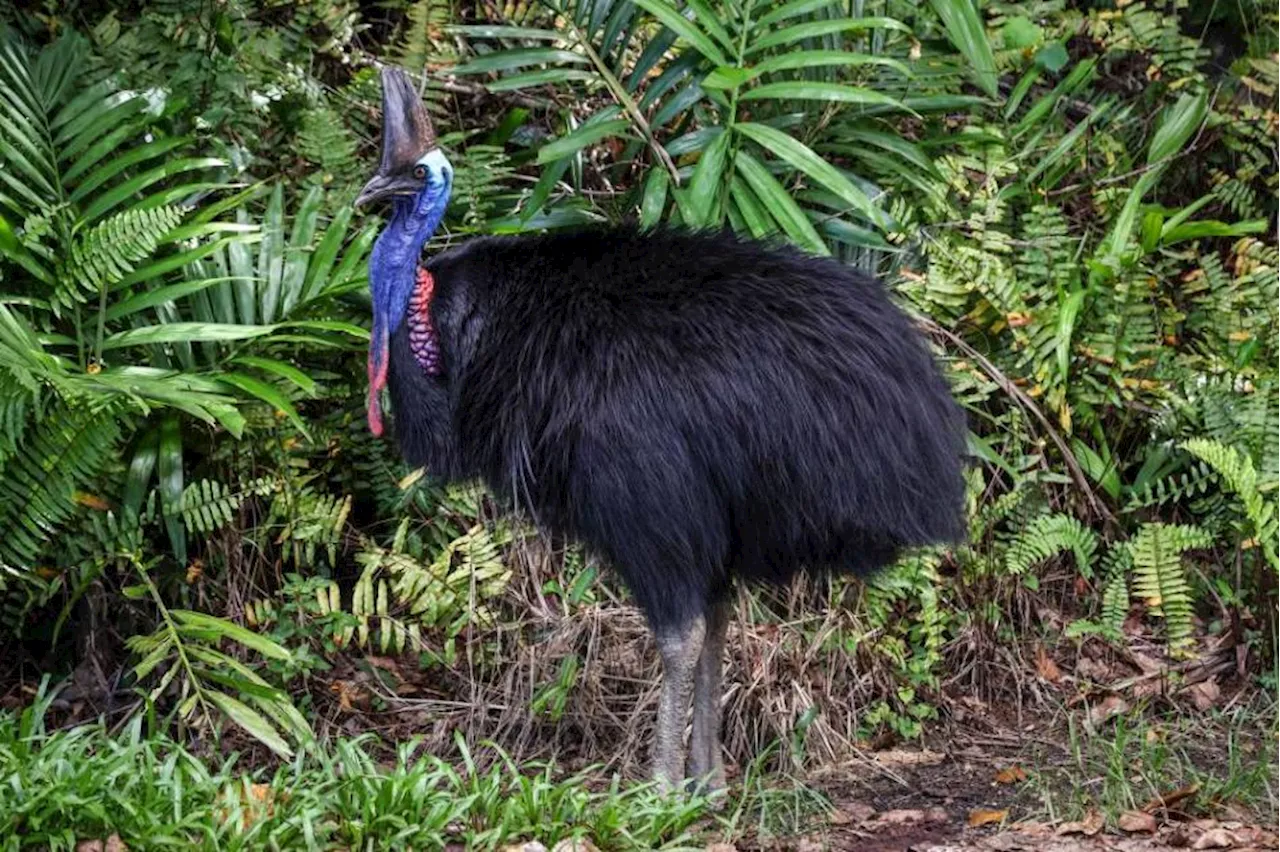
{"points": [[1046, 667], [115, 844], [808, 844], [1107, 708], [984, 816], [527, 846], [721, 847], [852, 812], [384, 663], [1089, 826], [906, 816], [1205, 694], [349, 694], [1214, 838], [1146, 663], [580, 844], [1136, 821], [1168, 800], [908, 757], [1011, 775], [89, 846], [1093, 669], [257, 802]]}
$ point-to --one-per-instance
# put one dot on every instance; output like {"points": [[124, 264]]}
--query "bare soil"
{"points": [[974, 794]]}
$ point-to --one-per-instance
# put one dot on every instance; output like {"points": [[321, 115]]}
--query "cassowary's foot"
{"points": [[680, 649]]}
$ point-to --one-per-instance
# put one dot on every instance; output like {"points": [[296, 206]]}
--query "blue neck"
{"points": [[393, 264]]}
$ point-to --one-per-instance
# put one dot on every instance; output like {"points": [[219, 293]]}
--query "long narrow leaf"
{"points": [[682, 27], [804, 159], [781, 205], [585, 135], [816, 90], [268, 394], [964, 28], [176, 332]]}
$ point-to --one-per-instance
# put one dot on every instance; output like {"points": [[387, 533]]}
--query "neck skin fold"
{"points": [[393, 267]]}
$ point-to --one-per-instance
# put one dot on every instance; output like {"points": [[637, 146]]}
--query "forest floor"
{"points": [[1093, 750], [1137, 787]]}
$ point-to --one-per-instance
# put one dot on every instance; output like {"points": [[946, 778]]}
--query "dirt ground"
{"points": [[973, 796]]}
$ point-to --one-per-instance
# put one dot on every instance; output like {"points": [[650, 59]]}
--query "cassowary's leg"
{"points": [[680, 648], [705, 762]]}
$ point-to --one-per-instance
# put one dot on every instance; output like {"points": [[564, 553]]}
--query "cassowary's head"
{"points": [[416, 178]]}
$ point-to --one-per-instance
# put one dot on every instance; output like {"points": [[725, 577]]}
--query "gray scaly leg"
{"points": [[706, 766], [680, 649]]}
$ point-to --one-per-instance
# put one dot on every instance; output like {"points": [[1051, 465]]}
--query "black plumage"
{"points": [[693, 406]]}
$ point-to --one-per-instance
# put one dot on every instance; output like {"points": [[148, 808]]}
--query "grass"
{"points": [[61, 787], [1138, 757]]}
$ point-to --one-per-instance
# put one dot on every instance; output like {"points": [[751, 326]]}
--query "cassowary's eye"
{"points": [[419, 172]]}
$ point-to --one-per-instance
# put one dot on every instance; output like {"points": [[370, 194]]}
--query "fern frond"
{"points": [[1237, 472], [63, 451], [1048, 535], [110, 250], [207, 505], [1159, 578], [325, 140]]}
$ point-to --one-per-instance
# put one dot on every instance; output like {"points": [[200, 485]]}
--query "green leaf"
{"points": [[1053, 57], [821, 58], [1178, 123], [1202, 228], [281, 369], [505, 60], [326, 253], [184, 332], [127, 189], [268, 394], [753, 214], [655, 197], [141, 466], [964, 28], [704, 188], [492, 31], [545, 77], [585, 135], [230, 630], [683, 28], [793, 35], [1019, 32], [781, 205], [1067, 315], [796, 8], [815, 90], [727, 77], [252, 722], [151, 298], [170, 473], [804, 159]]}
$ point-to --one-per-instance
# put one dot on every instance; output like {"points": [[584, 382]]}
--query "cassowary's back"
{"points": [[694, 406]]}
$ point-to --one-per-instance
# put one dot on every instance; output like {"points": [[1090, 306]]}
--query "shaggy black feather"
{"points": [[693, 406]]}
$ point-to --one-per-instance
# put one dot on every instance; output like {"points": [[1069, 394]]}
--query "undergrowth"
{"points": [[66, 786]]}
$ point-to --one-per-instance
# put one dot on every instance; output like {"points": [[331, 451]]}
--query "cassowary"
{"points": [[694, 407]]}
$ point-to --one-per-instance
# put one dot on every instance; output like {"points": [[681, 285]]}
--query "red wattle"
{"points": [[377, 380]]}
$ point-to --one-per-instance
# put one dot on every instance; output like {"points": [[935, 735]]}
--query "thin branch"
{"points": [[628, 103], [1006, 384]]}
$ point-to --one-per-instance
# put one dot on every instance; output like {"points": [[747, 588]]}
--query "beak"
{"points": [[381, 187], [407, 134]]}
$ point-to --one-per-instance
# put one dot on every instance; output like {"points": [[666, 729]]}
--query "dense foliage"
{"points": [[1077, 199]]}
